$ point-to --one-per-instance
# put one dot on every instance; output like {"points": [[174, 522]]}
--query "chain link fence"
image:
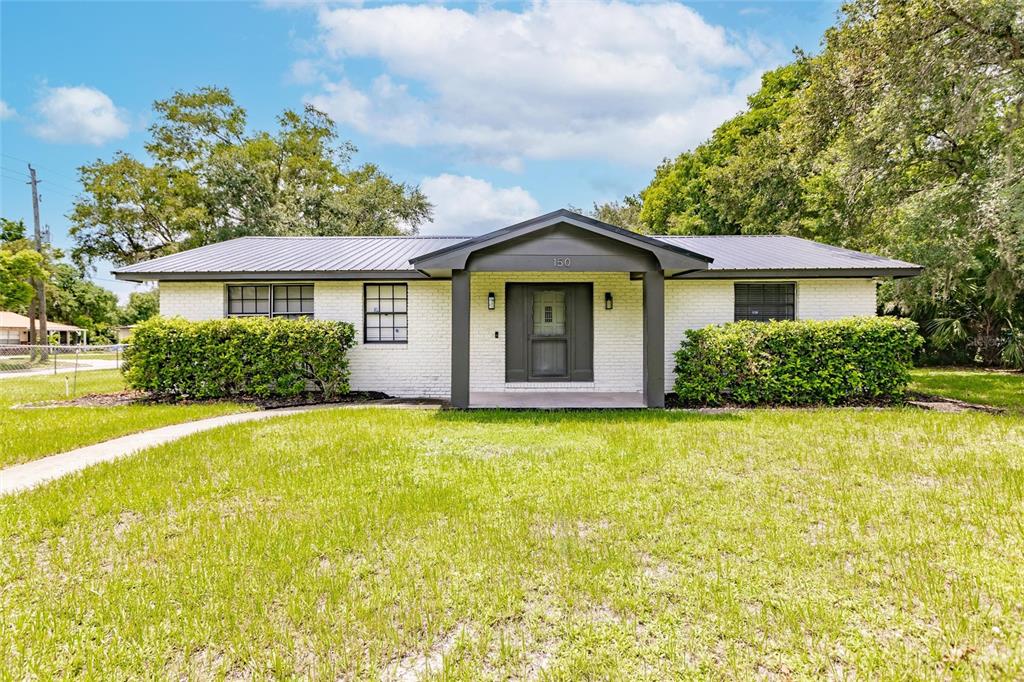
{"points": [[56, 359]]}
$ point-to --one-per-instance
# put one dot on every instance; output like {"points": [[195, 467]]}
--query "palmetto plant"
{"points": [[991, 328]]}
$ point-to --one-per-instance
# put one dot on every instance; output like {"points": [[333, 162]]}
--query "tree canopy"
{"points": [[19, 264], [903, 137], [141, 306], [209, 178]]}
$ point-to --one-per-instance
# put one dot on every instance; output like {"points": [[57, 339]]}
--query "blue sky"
{"points": [[497, 111]]}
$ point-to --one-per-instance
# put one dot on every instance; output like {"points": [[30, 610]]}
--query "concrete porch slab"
{"points": [[554, 400]]}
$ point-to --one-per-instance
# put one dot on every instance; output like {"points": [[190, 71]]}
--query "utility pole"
{"points": [[39, 283]]}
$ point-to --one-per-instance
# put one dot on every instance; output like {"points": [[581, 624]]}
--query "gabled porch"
{"points": [[559, 311]]}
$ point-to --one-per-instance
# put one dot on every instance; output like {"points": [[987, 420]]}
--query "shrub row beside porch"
{"points": [[807, 362], [244, 357]]}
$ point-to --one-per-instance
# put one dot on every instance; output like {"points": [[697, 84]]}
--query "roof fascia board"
{"points": [[255, 276], [804, 273]]}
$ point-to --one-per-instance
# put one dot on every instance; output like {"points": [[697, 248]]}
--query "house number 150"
{"points": [[562, 261]]}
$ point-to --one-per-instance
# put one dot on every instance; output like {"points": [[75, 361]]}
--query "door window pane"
{"points": [[549, 313]]}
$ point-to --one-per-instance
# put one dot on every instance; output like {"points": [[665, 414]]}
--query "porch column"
{"points": [[654, 338], [460, 338]]}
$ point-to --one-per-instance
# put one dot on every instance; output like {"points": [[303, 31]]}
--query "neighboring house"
{"points": [[14, 330], [124, 331], [558, 310]]}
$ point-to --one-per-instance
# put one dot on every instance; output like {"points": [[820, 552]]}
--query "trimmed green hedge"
{"points": [[853, 360], [252, 357]]}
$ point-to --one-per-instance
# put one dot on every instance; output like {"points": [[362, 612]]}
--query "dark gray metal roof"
{"points": [[787, 256], [360, 257], [277, 255]]}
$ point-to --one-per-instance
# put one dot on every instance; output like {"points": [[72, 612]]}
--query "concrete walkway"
{"points": [[63, 367], [30, 474]]}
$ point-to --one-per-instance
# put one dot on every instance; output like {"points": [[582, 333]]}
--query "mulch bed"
{"points": [[143, 398], [673, 402], [918, 400]]}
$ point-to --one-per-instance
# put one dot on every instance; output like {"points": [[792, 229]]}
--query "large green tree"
{"points": [[903, 137], [141, 306], [691, 193], [19, 264], [70, 298], [75, 300], [210, 178]]}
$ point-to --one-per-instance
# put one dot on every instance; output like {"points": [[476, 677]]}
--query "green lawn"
{"points": [[27, 434], [353, 543], [1000, 389]]}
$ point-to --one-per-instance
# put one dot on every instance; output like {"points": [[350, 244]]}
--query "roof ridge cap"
{"points": [[345, 236], [702, 236]]}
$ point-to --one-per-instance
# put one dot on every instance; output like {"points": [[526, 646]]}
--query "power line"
{"points": [[49, 183], [46, 168], [14, 170], [44, 192]]}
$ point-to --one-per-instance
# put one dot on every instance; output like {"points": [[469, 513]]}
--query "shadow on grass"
{"points": [[596, 416]]}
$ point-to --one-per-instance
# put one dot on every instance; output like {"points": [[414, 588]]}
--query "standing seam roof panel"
{"points": [[392, 254]]}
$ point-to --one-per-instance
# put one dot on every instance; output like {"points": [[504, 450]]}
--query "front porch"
{"points": [[558, 312]]}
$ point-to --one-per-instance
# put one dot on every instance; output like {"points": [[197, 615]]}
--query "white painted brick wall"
{"points": [[422, 368], [618, 333], [831, 299], [192, 300], [419, 368]]}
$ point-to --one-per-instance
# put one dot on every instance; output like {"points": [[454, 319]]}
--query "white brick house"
{"points": [[558, 310]]}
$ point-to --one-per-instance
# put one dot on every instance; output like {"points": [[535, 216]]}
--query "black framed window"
{"points": [[293, 300], [270, 300], [385, 313], [248, 300], [764, 301]]}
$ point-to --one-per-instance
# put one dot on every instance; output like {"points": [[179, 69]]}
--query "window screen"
{"points": [[270, 300], [386, 313], [765, 301]]}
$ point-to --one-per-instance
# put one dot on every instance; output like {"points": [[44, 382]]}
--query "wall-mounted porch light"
{"points": [[608, 303], [490, 301]]}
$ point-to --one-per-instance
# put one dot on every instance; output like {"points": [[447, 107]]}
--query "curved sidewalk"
{"points": [[30, 474]]}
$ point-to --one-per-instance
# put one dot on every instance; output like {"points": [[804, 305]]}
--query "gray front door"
{"points": [[548, 335], [549, 332]]}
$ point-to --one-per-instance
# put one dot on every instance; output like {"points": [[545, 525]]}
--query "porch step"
{"points": [[555, 400]]}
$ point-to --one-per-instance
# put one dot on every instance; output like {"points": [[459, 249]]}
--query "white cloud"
{"points": [[78, 114], [605, 80], [467, 205], [304, 72], [6, 111]]}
